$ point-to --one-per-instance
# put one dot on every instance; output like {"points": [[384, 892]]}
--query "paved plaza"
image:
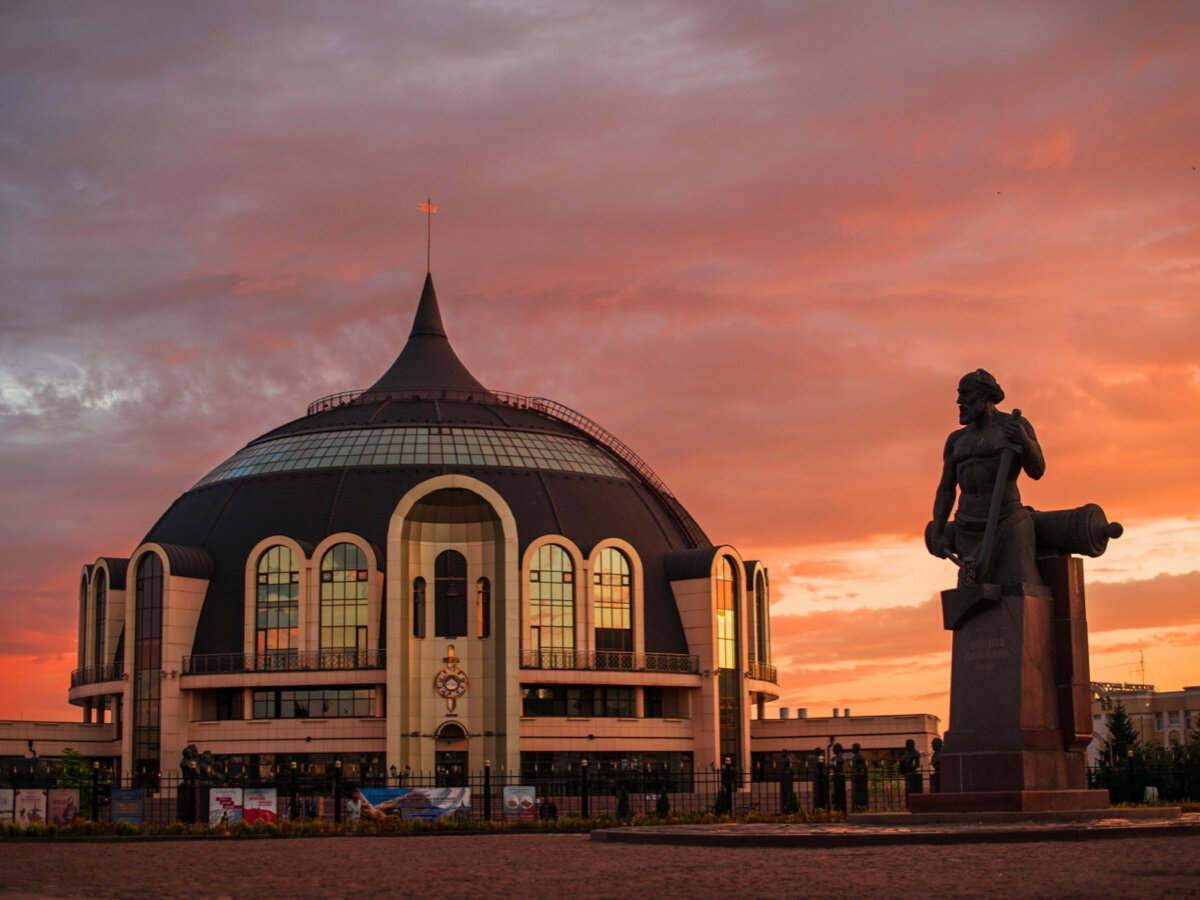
{"points": [[574, 866]]}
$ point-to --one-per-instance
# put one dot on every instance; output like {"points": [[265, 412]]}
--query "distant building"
{"points": [[1163, 718], [881, 737], [425, 574]]}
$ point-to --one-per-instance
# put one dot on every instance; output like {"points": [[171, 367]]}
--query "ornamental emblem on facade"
{"points": [[451, 682]]}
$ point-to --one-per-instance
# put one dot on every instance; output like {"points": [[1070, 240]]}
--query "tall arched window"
{"points": [[727, 659], [344, 588], [483, 608], [418, 610], [147, 664], [450, 594], [277, 608], [762, 622], [101, 613], [552, 608], [614, 610]]}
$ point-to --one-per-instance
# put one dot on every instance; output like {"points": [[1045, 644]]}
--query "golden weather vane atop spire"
{"points": [[430, 209]]}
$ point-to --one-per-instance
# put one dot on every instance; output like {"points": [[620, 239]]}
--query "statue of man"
{"points": [[973, 461]]}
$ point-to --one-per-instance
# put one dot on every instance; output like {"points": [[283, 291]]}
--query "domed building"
{"points": [[427, 574]]}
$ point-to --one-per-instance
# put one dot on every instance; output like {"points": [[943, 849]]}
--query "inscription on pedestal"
{"points": [[986, 653]]}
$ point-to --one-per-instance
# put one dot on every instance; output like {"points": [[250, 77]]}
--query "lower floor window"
{"points": [[664, 770], [315, 703], [583, 701]]}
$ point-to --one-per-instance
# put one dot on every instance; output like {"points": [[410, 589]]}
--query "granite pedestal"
{"points": [[1020, 716]]}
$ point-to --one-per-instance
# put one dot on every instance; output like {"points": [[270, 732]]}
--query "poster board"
{"points": [[6, 804], [64, 806], [413, 803], [520, 803], [126, 805], [260, 804], [29, 807], [224, 806]]}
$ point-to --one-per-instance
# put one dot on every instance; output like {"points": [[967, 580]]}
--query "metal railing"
{"points": [[594, 789], [549, 408], [283, 661], [762, 671], [113, 671], [610, 660]]}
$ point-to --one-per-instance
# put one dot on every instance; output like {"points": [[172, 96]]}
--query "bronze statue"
{"points": [[992, 538], [910, 767], [858, 766], [837, 779]]}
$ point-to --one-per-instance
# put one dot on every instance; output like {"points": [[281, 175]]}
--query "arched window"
{"points": [[762, 621], [344, 588], [483, 608], [614, 610], [101, 613], [450, 594], [147, 664], [277, 608], [729, 692], [418, 598], [552, 608]]}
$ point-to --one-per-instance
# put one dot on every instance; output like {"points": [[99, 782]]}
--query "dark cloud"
{"points": [[758, 244]]}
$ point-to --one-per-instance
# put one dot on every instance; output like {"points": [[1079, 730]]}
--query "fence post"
{"points": [[95, 790], [294, 806], [487, 790], [337, 792], [583, 788]]}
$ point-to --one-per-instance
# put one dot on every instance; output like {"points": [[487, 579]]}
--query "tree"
{"points": [[1122, 737], [74, 772]]}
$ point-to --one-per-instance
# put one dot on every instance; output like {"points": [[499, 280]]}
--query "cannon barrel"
{"points": [[1085, 530]]}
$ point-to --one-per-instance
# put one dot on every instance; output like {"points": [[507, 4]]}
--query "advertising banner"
{"points": [[260, 805], [6, 804], [30, 807], [520, 803], [224, 806], [126, 805], [413, 803], [64, 806]]}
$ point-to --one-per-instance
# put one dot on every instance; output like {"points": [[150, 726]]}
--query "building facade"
{"points": [[1163, 718], [427, 575]]}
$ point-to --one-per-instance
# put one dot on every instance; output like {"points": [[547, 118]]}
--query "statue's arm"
{"points": [[947, 489], [1019, 431]]}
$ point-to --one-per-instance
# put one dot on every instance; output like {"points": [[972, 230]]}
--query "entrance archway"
{"points": [[451, 755]]}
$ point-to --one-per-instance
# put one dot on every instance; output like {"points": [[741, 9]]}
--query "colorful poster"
{"points": [[260, 805], [126, 805], [224, 806], [30, 807], [6, 804], [520, 803], [64, 806], [413, 803]]}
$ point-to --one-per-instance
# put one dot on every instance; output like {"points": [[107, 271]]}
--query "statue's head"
{"points": [[937, 743], [977, 391], [910, 744], [856, 747]]}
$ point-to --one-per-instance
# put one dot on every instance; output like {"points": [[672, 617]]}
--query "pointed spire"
{"points": [[427, 360]]}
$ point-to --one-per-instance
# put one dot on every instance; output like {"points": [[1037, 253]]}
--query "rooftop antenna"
{"points": [[430, 209]]}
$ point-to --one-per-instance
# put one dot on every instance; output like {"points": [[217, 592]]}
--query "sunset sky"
{"points": [[760, 242]]}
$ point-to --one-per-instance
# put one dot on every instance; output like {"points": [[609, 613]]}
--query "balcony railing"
{"points": [[113, 671], [762, 672], [610, 660], [283, 661]]}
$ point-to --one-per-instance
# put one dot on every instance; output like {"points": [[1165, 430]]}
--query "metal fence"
{"points": [[168, 798], [584, 793]]}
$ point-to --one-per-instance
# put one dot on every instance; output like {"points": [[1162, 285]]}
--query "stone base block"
{"points": [[1007, 801]]}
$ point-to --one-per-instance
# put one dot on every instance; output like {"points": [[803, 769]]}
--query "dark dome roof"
{"points": [[345, 465]]}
